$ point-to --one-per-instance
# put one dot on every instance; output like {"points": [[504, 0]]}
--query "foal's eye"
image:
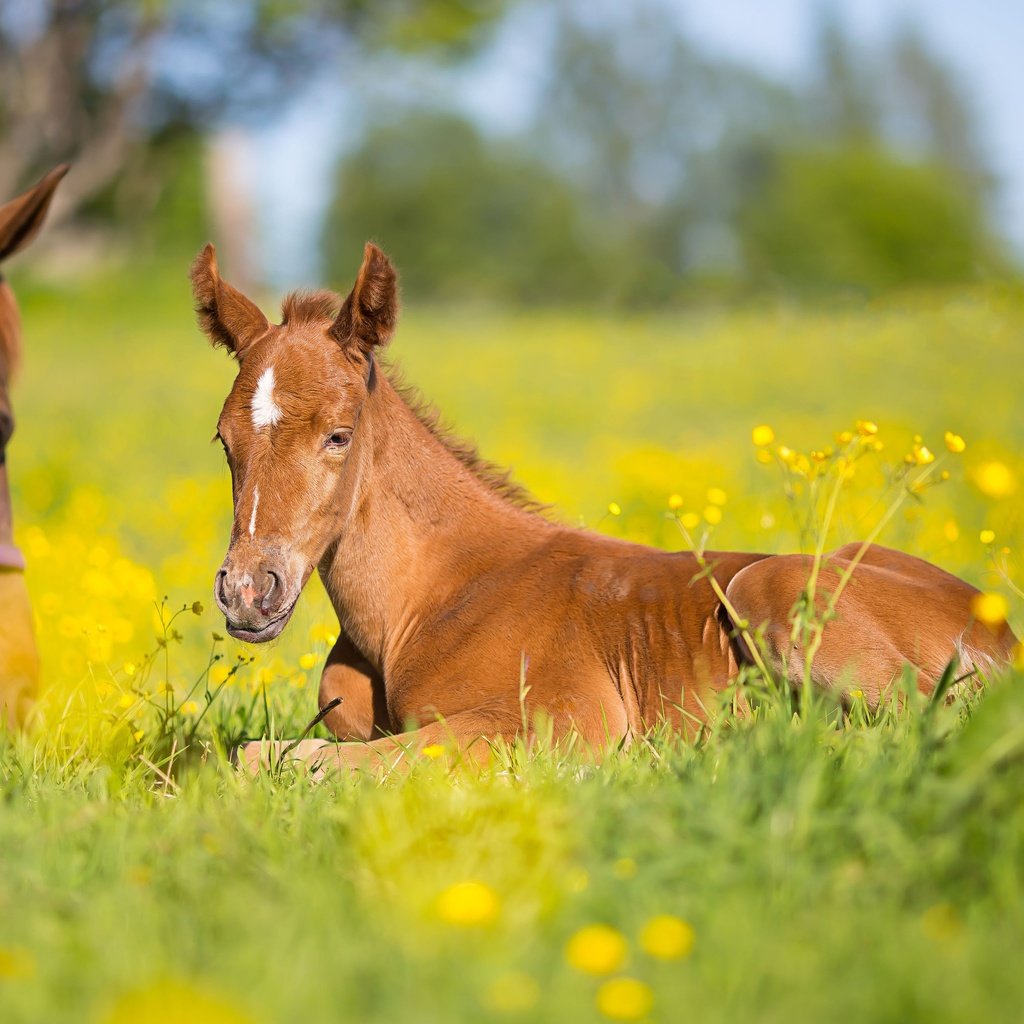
{"points": [[339, 439]]}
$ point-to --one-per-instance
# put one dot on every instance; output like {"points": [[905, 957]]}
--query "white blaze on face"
{"points": [[255, 505], [265, 411]]}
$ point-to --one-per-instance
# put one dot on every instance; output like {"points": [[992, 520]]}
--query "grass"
{"points": [[868, 868]]}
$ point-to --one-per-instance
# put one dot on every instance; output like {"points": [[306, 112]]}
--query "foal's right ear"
{"points": [[225, 315], [21, 218]]}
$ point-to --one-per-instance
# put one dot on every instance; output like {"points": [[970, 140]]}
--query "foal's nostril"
{"points": [[272, 590], [218, 587]]}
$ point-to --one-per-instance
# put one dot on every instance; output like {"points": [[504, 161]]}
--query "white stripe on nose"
{"points": [[255, 505], [265, 411]]}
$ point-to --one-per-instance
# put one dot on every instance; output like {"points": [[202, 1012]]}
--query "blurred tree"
{"points": [[95, 81], [843, 101], [463, 217], [860, 218]]}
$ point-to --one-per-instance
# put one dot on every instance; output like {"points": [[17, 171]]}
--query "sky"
{"points": [[983, 42]]}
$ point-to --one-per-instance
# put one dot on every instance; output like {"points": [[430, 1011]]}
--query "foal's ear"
{"points": [[368, 316], [225, 315], [21, 218]]}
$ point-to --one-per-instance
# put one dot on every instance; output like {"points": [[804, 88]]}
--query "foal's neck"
{"points": [[415, 526]]}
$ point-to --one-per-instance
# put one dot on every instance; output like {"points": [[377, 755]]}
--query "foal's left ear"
{"points": [[368, 316], [225, 315], [21, 218]]}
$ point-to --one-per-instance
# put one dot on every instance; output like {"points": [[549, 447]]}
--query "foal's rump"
{"points": [[896, 610]]}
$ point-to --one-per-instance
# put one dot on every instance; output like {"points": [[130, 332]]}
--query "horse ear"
{"points": [[21, 218], [368, 316], [225, 315]]}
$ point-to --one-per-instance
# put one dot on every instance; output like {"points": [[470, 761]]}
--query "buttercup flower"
{"points": [[954, 442], [596, 949], [991, 609], [625, 999], [995, 479], [762, 435], [468, 904], [667, 937]]}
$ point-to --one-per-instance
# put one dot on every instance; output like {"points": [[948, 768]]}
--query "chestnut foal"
{"points": [[458, 602], [20, 221]]}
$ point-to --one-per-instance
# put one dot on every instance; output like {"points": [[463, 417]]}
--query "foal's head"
{"points": [[287, 427]]}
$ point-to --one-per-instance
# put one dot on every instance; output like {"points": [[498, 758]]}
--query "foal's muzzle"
{"points": [[257, 601]]}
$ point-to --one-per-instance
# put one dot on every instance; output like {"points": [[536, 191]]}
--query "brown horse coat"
{"points": [[466, 614]]}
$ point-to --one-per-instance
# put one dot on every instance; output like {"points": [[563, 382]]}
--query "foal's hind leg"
{"points": [[348, 676], [896, 610]]}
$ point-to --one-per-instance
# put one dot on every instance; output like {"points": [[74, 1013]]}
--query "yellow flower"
{"points": [[923, 455], [987, 536], [16, 962], [514, 992], [950, 530], [844, 437], [991, 609], [713, 515], [667, 937], [190, 707], [468, 904], [717, 496], [173, 1000], [762, 435], [675, 501], [690, 520], [596, 949], [625, 999], [307, 661], [866, 428], [138, 734], [126, 701], [764, 456], [954, 442], [614, 509], [995, 479], [129, 669], [433, 751], [787, 455]]}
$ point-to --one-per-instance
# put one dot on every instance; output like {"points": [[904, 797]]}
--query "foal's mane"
{"points": [[497, 478], [314, 307]]}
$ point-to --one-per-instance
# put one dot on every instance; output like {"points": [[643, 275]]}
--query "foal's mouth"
{"points": [[268, 632]]}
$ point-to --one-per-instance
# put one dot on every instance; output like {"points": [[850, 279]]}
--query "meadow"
{"points": [[793, 864]]}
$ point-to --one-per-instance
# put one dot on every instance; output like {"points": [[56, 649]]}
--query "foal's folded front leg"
{"points": [[466, 734]]}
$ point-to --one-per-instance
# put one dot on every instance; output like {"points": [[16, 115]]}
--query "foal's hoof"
{"points": [[264, 755]]}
